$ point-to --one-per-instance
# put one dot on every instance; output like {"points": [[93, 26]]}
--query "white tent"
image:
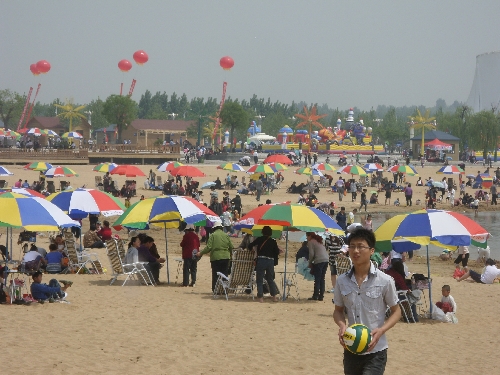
{"points": [[261, 137]]}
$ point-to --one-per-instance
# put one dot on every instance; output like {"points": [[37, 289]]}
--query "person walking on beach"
{"points": [[408, 194], [364, 293], [318, 263], [259, 185], [340, 188], [364, 201]]}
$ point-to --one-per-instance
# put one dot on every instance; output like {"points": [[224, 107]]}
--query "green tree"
{"points": [[11, 108], [233, 116], [274, 121], [97, 119], [120, 110], [484, 131]]}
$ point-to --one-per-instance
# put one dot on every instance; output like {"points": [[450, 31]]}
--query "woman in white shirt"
{"points": [[491, 272], [132, 253]]}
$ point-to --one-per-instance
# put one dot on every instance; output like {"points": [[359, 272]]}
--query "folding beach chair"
{"points": [[421, 283], [80, 259], [241, 277], [405, 306], [343, 264], [98, 183], [119, 266], [159, 183]]}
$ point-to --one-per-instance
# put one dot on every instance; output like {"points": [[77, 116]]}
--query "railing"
{"points": [[134, 149], [23, 153]]}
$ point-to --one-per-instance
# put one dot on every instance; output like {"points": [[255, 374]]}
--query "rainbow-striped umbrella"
{"points": [[32, 213], [324, 167], [59, 171], [27, 192], [231, 167], [81, 202], [166, 211], [168, 166], [278, 158], [72, 135], [51, 133], [8, 133], [36, 131], [450, 169], [278, 166], [105, 167], [352, 170], [262, 168], [5, 172], [38, 166], [309, 171], [373, 167], [403, 168]]}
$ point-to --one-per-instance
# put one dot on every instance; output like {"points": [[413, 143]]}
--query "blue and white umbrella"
{"points": [[5, 172]]}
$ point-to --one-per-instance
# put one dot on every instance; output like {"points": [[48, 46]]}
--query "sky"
{"points": [[342, 53]]}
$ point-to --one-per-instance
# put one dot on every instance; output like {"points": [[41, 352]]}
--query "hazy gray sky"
{"points": [[343, 53]]}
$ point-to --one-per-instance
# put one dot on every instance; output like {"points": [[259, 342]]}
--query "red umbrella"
{"points": [[187, 170], [278, 159], [128, 170]]}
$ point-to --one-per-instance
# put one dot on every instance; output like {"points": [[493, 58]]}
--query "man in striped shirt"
{"points": [[333, 245]]}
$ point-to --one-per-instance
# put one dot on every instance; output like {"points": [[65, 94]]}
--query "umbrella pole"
{"points": [[429, 279], [284, 275], [166, 251]]}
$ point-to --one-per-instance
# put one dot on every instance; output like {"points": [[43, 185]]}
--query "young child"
{"points": [[127, 202], [447, 303], [396, 202]]}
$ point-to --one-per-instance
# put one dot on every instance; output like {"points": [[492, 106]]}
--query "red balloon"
{"points": [[124, 65], [141, 57], [43, 66], [226, 62], [34, 69]]}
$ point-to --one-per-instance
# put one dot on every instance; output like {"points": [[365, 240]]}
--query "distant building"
{"points": [[431, 135], [54, 123], [485, 92]]}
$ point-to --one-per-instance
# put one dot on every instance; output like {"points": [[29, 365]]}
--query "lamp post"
{"points": [[90, 122], [199, 132]]}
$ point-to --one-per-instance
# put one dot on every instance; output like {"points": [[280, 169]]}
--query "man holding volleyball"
{"points": [[364, 294]]}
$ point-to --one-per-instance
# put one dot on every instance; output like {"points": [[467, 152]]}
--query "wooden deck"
{"points": [[121, 154]]}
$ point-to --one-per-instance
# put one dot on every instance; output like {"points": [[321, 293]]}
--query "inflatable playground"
{"points": [[349, 138]]}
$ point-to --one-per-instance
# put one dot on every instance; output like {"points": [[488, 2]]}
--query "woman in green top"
{"points": [[219, 246]]}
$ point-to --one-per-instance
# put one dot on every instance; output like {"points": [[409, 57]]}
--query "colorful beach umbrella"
{"points": [[352, 170], [324, 167], [261, 168], [81, 202], [373, 167], [72, 135], [168, 166], [27, 192], [32, 213], [36, 132], [278, 166], [403, 168], [231, 167], [485, 180], [278, 158], [127, 170], [166, 211], [450, 169], [59, 171], [187, 170], [51, 133], [309, 171], [8, 133], [104, 167], [5, 172], [38, 166]]}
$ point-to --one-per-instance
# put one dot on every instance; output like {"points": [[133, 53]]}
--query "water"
{"points": [[488, 220]]}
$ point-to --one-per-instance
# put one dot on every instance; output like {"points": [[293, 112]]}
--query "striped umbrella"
{"points": [[324, 167], [277, 158], [38, 166], [128, 171], [373, 167], [104, 167], [32, 213], [231, 167], [424, 226], [27, 192], [72, 135], [187, 170], [278, 166], [168, 166], [36, 131], [5, 172], [166, 211], [81, 202], [8, 133], [51, 133], [309, 171], [352, 170], [403, 168], [59, 171], [262, 168], [450, 169]]}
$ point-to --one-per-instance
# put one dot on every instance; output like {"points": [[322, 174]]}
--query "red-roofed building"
{"points": [[146, 132]]}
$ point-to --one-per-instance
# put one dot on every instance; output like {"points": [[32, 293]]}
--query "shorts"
{"points": [[475, 276], [462, 258], [387, 194], [333, 269]]}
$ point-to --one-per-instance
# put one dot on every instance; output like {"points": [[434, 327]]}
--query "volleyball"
{"points": [[357, 338]]}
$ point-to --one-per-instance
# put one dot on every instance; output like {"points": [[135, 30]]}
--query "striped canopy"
{"points": [[324, 167], [8, 133], [36, 131], [5, 172], [278, 166], [59, 171], [403, 168], [28, 192], [168, 166], [72, 135], [309, 171], [373, 167], [277, 158], [424, 226], [166, 211], [105, 167], [38, 166], [352, 170], [234, 167], [450, 169], [261, 168], [32, 213], [81, 202]]}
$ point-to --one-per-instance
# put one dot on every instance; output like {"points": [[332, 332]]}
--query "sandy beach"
{"points": [[173, 330]]}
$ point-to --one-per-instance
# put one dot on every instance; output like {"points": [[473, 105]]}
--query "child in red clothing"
{"points": [[190, 245]]}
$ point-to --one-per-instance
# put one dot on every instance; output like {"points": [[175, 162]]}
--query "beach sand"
{"points": [[174, 330]]}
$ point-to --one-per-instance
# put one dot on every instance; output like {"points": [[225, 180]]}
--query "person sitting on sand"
{"points": [[491, 272], [42, 292], [33, 259], [447, 303], [91, 239], [374, 198], [105, 232], [54, 259]]}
